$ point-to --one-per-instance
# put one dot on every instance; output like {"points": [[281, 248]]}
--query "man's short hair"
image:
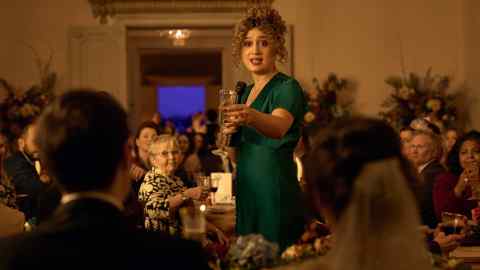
{"points": [[81, 138]]}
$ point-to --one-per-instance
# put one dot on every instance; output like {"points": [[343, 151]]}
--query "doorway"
{"points": [[154, 62]]}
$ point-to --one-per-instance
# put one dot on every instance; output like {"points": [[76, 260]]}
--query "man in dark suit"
{"points": [[82, 138], [425, 152], [20, 167]]}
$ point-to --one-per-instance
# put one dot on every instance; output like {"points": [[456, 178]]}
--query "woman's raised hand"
{"points": [[235, 116]]}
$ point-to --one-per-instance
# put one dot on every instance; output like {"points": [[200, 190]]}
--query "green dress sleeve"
{"points": [[289, 96]]}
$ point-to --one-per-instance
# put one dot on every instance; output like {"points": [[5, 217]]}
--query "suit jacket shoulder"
{"points": [[94, 234]]}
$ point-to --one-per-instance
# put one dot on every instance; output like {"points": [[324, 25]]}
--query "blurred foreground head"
{"points": [[82, 138]]}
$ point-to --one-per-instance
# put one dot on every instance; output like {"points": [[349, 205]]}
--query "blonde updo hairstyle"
{"points": [[267, 20]]}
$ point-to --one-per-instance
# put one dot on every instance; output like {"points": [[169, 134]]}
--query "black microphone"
{"points": [[239, 89]]}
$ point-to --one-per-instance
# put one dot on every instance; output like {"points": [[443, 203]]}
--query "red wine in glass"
{"points": [[213, 189], [451, 228]]}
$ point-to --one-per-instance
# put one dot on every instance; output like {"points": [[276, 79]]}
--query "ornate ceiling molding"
{"points": [[103, 9]]}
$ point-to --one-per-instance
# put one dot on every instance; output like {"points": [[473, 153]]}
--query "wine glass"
{"points": [[204, 183], [226, 97], [214, 187], [453, 223]]}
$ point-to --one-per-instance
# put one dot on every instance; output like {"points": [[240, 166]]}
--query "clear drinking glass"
{"points": [[453, 223], [226, 97], [194, 223]]}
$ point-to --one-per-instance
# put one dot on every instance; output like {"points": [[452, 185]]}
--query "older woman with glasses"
{"points": [[162, 193]]}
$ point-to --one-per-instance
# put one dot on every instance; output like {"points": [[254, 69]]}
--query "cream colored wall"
{"points": [[41, 24], [361, 40], [472, 57], [356, 39]]}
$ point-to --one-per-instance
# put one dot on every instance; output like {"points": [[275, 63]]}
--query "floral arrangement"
{"points": [[324, 102], [316, 241], [415, 97], [251, 252], [18, 107], [441, 262]]}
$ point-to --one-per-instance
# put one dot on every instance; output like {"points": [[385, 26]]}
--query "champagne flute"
{"points": [[226, 97]]}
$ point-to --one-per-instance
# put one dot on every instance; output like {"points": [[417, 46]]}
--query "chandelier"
{"points": [[179, 36]]}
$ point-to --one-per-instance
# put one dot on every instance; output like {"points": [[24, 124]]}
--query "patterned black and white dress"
{"points": [[154, 193]]}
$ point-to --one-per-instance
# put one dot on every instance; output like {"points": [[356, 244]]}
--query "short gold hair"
{"points": [[267, 20]]}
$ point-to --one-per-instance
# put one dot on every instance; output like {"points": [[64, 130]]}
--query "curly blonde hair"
{"points": [[267, 20]]}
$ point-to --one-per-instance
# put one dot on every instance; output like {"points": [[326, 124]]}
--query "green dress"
{"points": [[268, 196]]}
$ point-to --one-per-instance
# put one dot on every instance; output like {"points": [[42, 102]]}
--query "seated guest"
{"points": [[212, 127], [406, 135], [425, 149], [162, 192], [20, 168], [89, 230], [422, 124], [452, 189], [183, 145], [140, 164], [157, 120], [362, 190], [169, 128], [201, 160], [3, 151], [7, 190], [449, 137], [193, 164]]}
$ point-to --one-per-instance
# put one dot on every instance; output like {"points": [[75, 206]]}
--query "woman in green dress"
{"points": [[266, 127]]}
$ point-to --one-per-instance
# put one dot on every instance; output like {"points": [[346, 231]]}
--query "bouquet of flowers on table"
{"points": [[251, 252], [316, 241], [416, 96]]}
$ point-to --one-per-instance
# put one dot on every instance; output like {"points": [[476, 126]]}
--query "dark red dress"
{"points": [[444, 199]]}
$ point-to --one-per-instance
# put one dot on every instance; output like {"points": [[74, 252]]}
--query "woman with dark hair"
{"points": [[452, 189], [449, 138], [201, 161], [140, 164], [357, 178]]}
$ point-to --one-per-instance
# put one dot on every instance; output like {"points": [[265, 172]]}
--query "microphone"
{"points": [[239, 89]]}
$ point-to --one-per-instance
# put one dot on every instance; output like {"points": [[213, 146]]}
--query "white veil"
{"points": [[379, 229]]}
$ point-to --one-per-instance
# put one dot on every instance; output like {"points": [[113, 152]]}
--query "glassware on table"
{"points": [[194, 223], [472, 171], [453, 223], [226, 97], [205, 183], [214, 181]]}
